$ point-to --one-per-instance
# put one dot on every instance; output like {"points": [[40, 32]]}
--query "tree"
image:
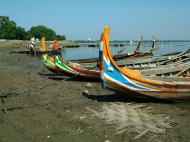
{"points": [[60, 37], [40, 31], [21, 34], [7, 28]]}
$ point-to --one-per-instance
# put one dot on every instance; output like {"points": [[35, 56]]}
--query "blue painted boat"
{"points": [[132, 82]]}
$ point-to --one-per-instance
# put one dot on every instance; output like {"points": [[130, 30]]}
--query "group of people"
{"points": [[33, 42]]}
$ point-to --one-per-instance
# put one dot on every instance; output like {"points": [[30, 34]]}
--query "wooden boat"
{"points": [[93, 45], [133, 82], [91, 60], [49, 63], [172, 67], [71, 46], [59, 66], [176, 70], [184, 73], [166, 70], [137, 63], [117, 57], [41, 51], [75, 70], [58, 74], [37, 52]]}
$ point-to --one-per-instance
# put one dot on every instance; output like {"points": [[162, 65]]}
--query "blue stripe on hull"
{"points": [[116, 75]]}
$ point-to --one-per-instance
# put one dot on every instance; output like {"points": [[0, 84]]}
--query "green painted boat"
{"points": [[75, 69]]}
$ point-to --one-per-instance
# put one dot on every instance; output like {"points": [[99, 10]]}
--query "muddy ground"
{"points": [[45, 110]]}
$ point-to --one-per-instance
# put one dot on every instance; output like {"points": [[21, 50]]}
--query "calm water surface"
{"points": [[90, 52]]}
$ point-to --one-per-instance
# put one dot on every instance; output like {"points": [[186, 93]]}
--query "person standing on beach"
{"points": [[31, 45], [54, 47]]}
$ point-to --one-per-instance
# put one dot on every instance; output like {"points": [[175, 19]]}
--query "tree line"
{"points": [[9, 30]]}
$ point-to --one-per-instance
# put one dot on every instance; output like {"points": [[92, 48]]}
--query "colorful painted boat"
{"points": [[76, 70], [42, 50], [49, 63], [175, 70], [133, 82], [37, 52]]}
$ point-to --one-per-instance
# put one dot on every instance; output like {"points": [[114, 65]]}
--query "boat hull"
{"points": [[131, 81], [159, 95], [73, 70]]}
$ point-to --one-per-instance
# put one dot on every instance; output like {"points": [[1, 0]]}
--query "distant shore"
{"points": [[64, 43], [69, 43], [23, 44]]}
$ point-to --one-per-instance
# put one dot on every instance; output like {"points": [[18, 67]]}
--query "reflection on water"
{"points": [[90, 52]]}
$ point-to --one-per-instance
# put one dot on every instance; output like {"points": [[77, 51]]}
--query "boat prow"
{"points": [[133, 82]]}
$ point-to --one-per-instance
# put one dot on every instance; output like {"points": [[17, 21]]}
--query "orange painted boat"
{"points": [[132, 82]]}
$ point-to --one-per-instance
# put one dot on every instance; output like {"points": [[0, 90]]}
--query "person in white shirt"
{"points": [[31, 45]]}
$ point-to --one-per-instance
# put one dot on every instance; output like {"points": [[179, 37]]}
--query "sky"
{"points": [[81, 19]]}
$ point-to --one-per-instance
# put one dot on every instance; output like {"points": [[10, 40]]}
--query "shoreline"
{"points": [[49, 110], [22, 43], [74, 44]]}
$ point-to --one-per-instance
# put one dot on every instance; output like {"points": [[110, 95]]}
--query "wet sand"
{"points": [[41, 109]]}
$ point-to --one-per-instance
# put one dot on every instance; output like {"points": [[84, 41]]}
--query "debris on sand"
{"points": [[133, 119], [88, 85], [85, 92]]}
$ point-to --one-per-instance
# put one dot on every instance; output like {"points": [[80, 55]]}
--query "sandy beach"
{"points": [[45, 110]]}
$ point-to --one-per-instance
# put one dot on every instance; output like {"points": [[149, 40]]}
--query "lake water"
{"points": [[90, 52]]}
